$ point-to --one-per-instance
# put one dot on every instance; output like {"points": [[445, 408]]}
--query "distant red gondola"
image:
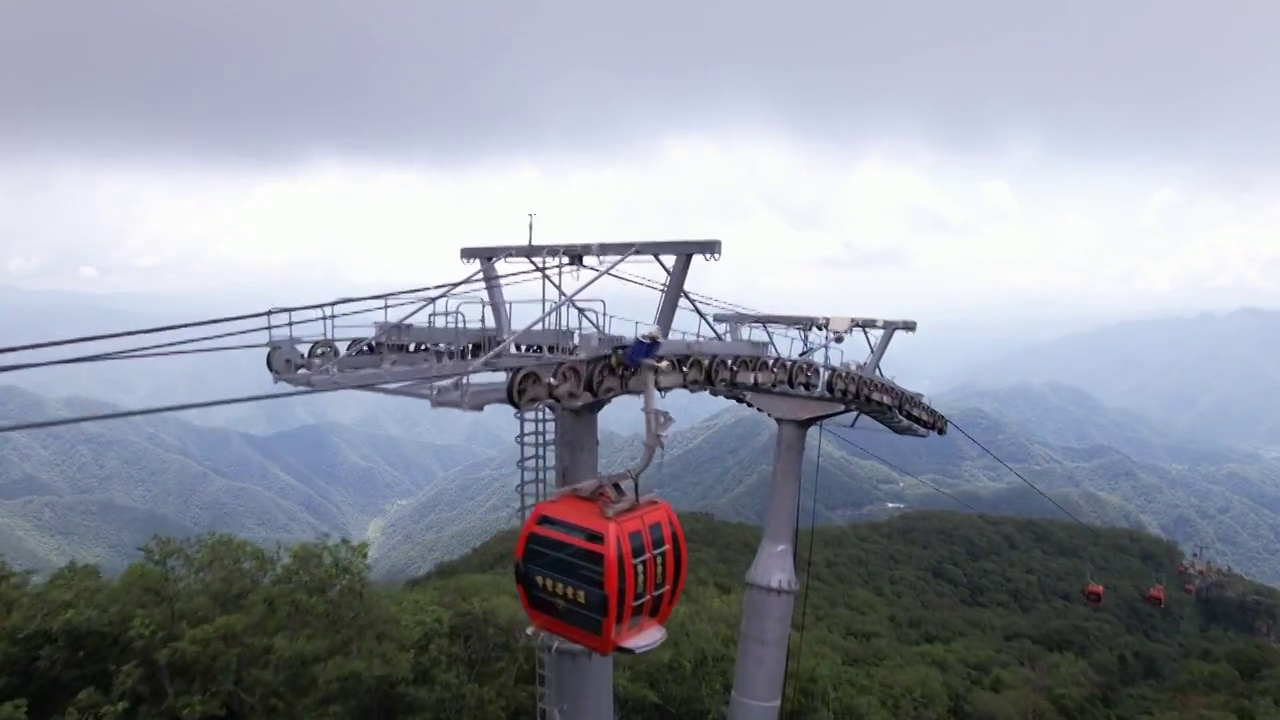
{"points": [[1093, 593], [606, 583], [1155, 596], [1189, 589]]}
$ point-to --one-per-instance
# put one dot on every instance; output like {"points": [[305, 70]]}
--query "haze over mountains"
{"points": [[1163, 425]]}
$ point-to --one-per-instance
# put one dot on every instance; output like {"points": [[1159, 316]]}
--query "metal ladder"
{"points": [[535, 443], [546, 699]]}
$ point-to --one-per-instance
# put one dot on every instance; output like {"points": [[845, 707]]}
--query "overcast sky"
{"points": [[931, 159]]}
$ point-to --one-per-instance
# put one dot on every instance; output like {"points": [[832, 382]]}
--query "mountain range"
{"points": [[1147, 478], [96, 491], [1209, 375], [1142, 424]]}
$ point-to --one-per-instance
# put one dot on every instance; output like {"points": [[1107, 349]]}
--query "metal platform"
{"points": [[441, 356], [577, 369]]}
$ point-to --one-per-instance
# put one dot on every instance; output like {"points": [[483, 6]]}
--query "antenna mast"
{"points": [[531, 217]]}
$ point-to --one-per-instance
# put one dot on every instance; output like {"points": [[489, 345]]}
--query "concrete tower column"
{"points": [[771, 588], [761, 668], [580, 682]]}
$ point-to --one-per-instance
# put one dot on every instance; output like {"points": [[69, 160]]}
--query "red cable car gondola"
{"points": [[606, 583], [1093, 593], [1189, 589], [1155, 596]]}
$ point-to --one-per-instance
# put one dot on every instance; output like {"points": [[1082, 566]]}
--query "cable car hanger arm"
{"points": [[656, 424]]}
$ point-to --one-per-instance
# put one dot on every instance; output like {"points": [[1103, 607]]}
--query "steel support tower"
{"points": [[471, 353]]}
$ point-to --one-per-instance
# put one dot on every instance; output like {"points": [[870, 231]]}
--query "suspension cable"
{"points": [[711, 302], [222, 320], [1018, 475], [222, 402], [144, 351], [808, 568], [140, 354], [898, 469]]}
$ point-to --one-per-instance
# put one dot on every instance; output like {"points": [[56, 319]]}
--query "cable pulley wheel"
{"points": [[360, 347], [765, 372], [669, 375], [810, 376], [322, 349], [569, 382], [790, 373], [835, 383], [284, 361], [907, 406], [695, 373], [754, 366], [857, 387], [871, 390], [760, 373], [720, 372], [603, 381], [526, 389], [895, 397], [851, 380]]}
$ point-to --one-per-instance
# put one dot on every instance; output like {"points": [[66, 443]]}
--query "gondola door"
{"points": [[660, 551], [641, 563]]}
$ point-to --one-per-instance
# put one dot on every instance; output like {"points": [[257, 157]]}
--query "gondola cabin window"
{"points": [[566, 580]]}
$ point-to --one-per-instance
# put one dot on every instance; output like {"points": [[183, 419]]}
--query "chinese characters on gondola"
{"points": [[561, 590]]}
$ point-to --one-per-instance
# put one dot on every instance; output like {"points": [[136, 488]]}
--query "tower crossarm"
{"points": [[477, 351], [813, 323], [576, 252]]}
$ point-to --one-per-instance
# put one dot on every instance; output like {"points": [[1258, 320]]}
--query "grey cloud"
{"points": [[279, 79]]}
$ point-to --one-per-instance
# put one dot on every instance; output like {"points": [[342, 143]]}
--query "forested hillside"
{"points": [[926, 616], [95, 492]]}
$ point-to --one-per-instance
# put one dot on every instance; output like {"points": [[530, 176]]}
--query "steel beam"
{"points": [[497, 300], [582, 313], [872, 365], [809, 323], [600, 250], [692, 303], [564, 300], [672, 293]]}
